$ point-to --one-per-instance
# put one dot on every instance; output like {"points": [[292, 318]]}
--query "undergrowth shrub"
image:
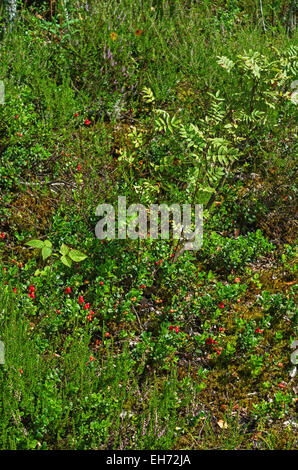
{"points": [[226, 254]]}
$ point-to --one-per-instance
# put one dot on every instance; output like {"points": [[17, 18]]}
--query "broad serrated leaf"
{"points": [[64, 250], [76, 255], [66, 260], [46, 252], [35, 243]]}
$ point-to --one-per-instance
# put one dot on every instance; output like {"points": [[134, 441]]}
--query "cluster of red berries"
{"points": [[90, 316], [2, 235], [212, 341], [87, 122], [31, 292], [81, 301], [20, 265], [174, 328], [257, 330]]}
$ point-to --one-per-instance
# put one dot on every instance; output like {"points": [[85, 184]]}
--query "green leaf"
{"points": [[46, 252], [76, 255], [64, 250], [48, 243], [65, 260], [35, 243]]}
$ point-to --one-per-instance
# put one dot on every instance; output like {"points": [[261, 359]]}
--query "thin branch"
{"points": [[262, 16], [209, 204], [49, 183], [288, 28]]}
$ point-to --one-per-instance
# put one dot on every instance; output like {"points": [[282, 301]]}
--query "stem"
{"points": [[262, 16], [253, 91], [209, 204], [288, 28]]}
